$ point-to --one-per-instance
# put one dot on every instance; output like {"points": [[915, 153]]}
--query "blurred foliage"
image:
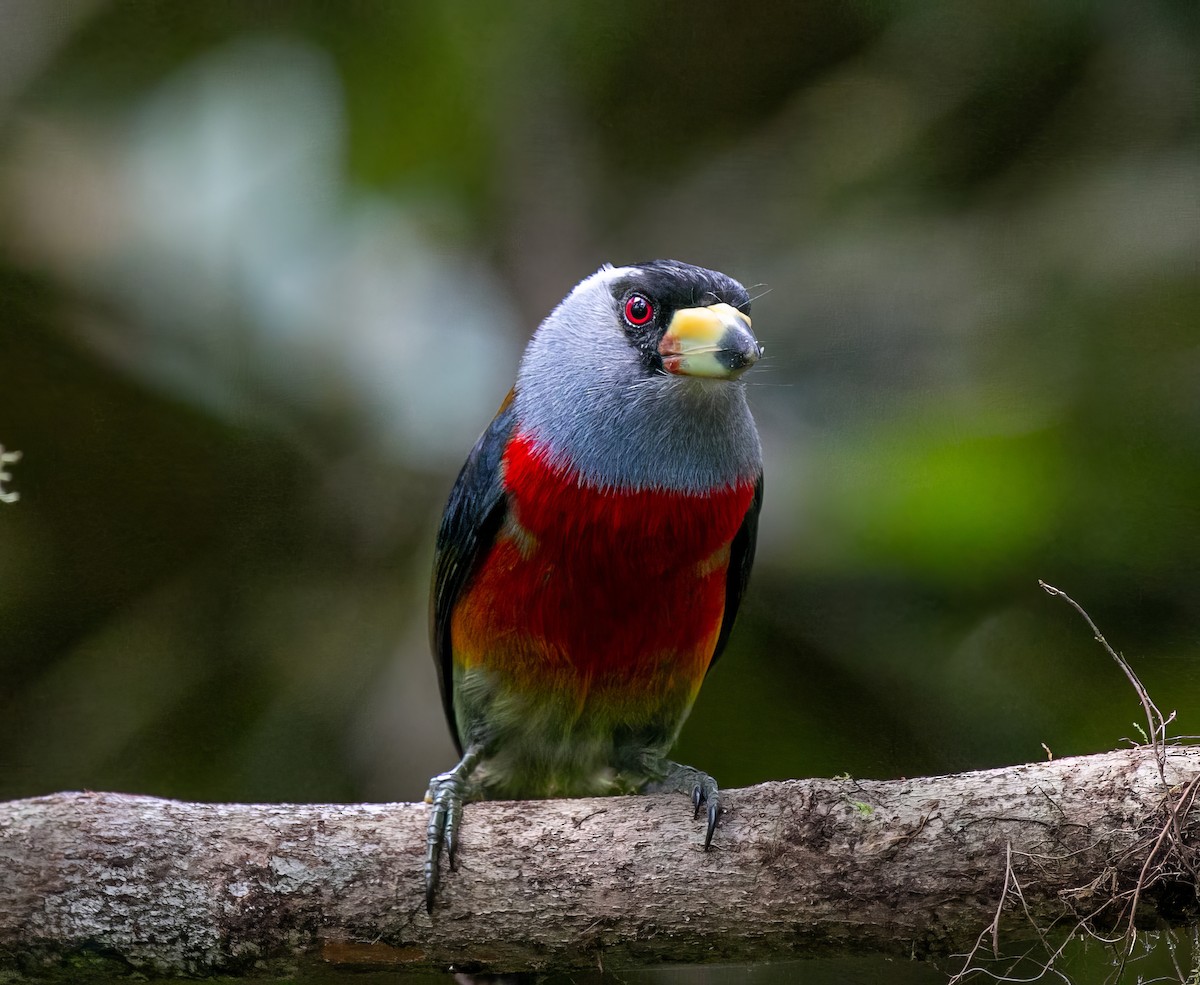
{"points": [[265, 271]]}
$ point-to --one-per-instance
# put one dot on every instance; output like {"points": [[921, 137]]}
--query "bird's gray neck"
{"points": [[663, 432]]}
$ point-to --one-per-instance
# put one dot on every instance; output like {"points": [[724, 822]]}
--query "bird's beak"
{"points": [[715, 342]]}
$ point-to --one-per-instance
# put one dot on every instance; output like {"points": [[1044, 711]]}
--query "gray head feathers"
{"points": [[585, 391]]}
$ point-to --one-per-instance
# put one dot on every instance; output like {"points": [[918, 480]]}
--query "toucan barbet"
{"points": [[596, 546]]}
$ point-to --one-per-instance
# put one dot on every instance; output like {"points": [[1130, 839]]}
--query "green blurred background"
{"points": [[266, 271]]}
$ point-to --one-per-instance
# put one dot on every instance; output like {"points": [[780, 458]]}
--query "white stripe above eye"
{"points": [[604, 275]]}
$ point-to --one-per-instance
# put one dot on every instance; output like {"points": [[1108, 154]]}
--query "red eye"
{"points": [[638, 310]]}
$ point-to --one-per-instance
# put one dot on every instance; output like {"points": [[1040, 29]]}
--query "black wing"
{"points": [[474, 513], [741, 560]]}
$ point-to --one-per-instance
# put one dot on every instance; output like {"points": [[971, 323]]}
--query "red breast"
{"points": [[617, 585]]}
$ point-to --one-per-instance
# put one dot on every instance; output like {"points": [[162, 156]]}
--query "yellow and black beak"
{"points": [[713, 342]]}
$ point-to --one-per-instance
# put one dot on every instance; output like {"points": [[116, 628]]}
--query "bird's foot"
{"points": [[702, 787], [445, 795]]}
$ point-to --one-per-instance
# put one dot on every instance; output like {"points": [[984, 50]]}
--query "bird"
{"points": [[595, 548]]}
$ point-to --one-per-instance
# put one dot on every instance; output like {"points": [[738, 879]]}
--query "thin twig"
{"points": [[1155, 721], [1008, 874]]}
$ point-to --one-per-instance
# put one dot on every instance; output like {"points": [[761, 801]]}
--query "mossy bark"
{"points": [[103, 882]]}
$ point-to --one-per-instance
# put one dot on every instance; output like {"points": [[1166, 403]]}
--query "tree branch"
{"points": [[105, 882]]}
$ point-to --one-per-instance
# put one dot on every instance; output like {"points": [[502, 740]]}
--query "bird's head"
{"points": [[634, 377], [660, 318], [684, 320]]}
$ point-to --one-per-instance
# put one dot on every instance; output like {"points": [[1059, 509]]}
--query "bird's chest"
{"points": [[615, 533], [618, 588]]}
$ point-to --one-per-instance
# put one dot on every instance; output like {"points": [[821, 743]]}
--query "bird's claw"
{"points": [[445, 799], [706, 793], [703, 789], [445, 796]]}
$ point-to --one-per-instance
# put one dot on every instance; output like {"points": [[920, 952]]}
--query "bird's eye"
{"points": [[638, 310]]}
